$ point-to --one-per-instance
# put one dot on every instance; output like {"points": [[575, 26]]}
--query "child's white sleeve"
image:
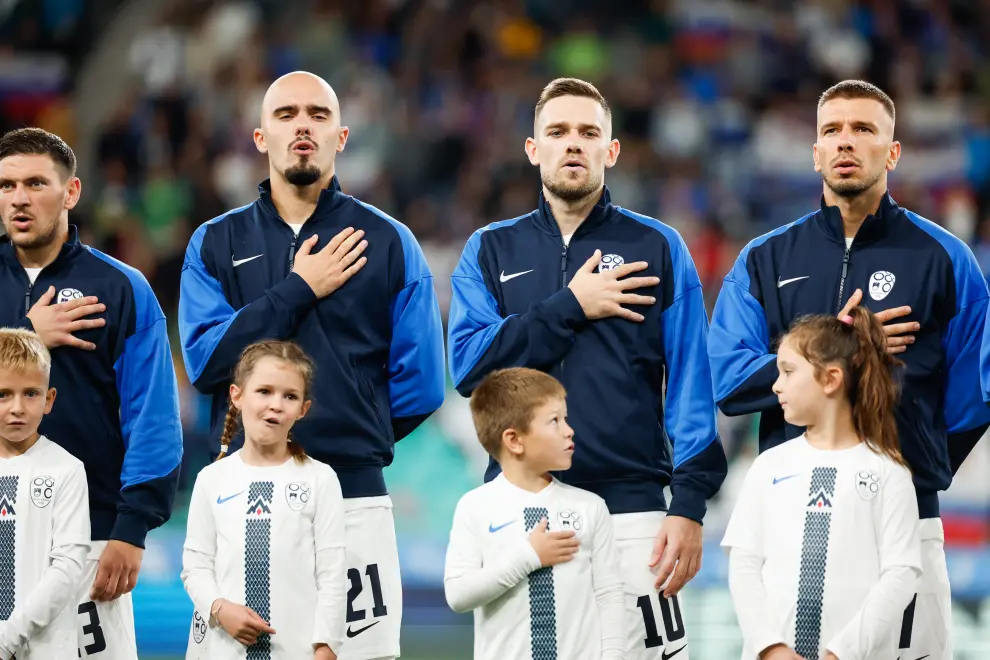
{"points": [[879, 619], [331, 569], [609, 592], [468, 582], [59, 585], [199, 551]]}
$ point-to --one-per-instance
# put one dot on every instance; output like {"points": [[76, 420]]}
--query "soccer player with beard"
{"points": [[609, 302], [912, 270], [350, 285]]}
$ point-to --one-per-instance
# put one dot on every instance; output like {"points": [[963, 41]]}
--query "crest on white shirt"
{"points": [[569, 520], [67, 294], [867, 484], [199, 627], [610, 262], [297, 495], [42, 489]]}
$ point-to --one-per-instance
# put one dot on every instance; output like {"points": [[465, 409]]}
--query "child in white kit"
{"points": [[44, 512], [533, 557], [824, 553], [263, 560]]}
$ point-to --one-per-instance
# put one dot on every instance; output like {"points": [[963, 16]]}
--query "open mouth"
{"points": [[21, 221], [271, 421], [303, 148], [846, 166], [574, 165]]}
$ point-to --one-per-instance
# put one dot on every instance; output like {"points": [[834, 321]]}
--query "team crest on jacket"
{"points": [[199, 627], [881, 282], [42, 489], [297, 495], [569, 520], [867, 484], [67, 294], [610, 262]]}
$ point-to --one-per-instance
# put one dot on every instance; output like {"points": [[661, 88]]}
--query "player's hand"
{"points": [[604, 294], [323, 652], [117, 572], [56, 323], [780, 652], [679, 545], [897, 340], [327, 270], [242, 623], [831, 656], [553, 547]]}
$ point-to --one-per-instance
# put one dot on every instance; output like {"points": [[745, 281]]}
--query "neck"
{"points": [[10, 449], [854, 210], [569, 214], [525, 477], [265, 455], [835, 430], [295, 204], [42, 255]]}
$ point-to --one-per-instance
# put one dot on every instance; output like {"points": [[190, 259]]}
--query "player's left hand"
{"points": [[118, 571], [679, 542], [323, 652]]}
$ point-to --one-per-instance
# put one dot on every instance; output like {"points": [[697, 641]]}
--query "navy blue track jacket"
{"points": [[511, 307], [377, 341], [117, 408], [897, 258]]}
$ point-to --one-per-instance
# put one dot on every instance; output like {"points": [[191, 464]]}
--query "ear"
{"points": [[832, 379], [512, 442], [235, 396], [73, 190], [49, 399], [530, 148], [893, 155], [342, 134], [613, 153], [259, 141], [305, 409], [816, 157]]}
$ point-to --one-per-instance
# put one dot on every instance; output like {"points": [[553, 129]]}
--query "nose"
{"points": [[17, 405], [777, 389], [276, 404], [568, 431], [20, 197]]}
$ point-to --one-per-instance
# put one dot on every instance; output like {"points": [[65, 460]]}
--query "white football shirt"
{"points": [[522, 611], [270, 538], [44, 538], [827, 525]]}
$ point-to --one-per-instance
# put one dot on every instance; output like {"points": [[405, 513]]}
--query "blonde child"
{"points": [[824, 554], [263, 560]]}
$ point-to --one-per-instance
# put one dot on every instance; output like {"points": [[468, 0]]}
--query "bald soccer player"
{"points": [[308, 263]]}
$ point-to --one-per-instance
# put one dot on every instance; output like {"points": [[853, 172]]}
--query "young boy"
{"points": [[44, 512], [533, 557]]}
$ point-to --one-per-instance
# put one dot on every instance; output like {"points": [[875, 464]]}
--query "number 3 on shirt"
{"points": [[92, 628], [357, 586], [672, 621]]}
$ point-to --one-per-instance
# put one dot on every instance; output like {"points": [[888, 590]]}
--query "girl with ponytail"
{"points": [[264, 547], [824, 553]]}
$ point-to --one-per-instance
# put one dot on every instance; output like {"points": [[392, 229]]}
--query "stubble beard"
{"points": [[851, 188], [567, 192]]}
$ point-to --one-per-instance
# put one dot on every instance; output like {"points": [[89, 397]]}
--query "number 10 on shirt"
{"points": [[673, 624]]}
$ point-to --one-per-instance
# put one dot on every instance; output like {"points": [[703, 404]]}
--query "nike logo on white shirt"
{"points": [[781, 282], [238, 262], [505, 278]]}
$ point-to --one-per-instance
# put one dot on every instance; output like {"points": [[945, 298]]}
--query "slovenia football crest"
{"points": [[610, 262], [881, 282], [199, 627], [67, 294], [867, 484], [42, 489], [297, 495], [568, 520]]}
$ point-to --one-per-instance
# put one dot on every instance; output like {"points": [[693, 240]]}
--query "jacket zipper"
{"points": [[563, 282], [842, 281], [27, 298], [292, 249]]}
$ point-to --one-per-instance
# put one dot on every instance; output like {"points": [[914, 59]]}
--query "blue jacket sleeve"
{"points": [[480, 340], [149, 420], [416, 370], [213, 333], [743, 367], [699, 459]]}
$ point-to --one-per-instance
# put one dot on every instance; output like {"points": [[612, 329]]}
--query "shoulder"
{"points": [[146, 307], [668, 234], [224, 222], [58, 459], [969, 280], [478, 499], [581, 497], [371, 217], [214, 473], [318, 471], [768, 241]]}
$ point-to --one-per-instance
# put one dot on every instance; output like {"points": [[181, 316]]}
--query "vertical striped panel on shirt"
{"points": [[814, 558], [8, 546], [257, 562], [542, 602]]}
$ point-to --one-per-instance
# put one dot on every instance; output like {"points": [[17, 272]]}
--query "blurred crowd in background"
{"points": [[713, 101]]}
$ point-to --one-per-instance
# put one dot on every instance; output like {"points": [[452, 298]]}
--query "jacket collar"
{"points": [[71, 244], [877, 225], [329, 197], [546, 221]]}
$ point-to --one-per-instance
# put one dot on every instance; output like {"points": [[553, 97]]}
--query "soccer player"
{"points": [[118, 406], [351, 286], [264, 551], [551, 290], [913, 271], [825, 529], [542, 580], [44, 511]]}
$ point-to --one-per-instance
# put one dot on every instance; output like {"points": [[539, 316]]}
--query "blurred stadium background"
{"points": [[714, 105]]}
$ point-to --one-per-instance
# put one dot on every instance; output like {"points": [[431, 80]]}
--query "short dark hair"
{"points": [[507, 399], [570, 87], [858, 89], [37, 141]]}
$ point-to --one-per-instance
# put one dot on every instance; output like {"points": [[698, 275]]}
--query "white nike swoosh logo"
{"points": [[238, 262], [505, 278], [781, 282]]}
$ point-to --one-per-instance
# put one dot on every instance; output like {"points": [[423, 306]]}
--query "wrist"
{"points": [[214, 621]]}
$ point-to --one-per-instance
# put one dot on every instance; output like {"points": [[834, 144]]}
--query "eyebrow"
{"points": [[855, 124], [564, 124], [31, 179], [310, 109]]}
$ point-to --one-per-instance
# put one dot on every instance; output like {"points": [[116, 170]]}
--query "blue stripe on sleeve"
{"points": [[416, 369]]}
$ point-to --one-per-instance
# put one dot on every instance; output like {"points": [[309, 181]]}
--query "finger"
{"points": [[893, 313], [307, 246], [905, 340], [658, 548], [854, 299], [47, 297], [351, 257], [100, 582], [901, 328], [590, 265], [132, 580], [638, 283], [541, 526], [635, 299], [627, 314], [348, 244], [894, 350], [85, 324], [561, 535], [79, 311], [246, 638], [75, 342], [627, 269], [666, 567], [678, 580], [338, 239], [113, 583], [88, 301], [351, 270]]}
